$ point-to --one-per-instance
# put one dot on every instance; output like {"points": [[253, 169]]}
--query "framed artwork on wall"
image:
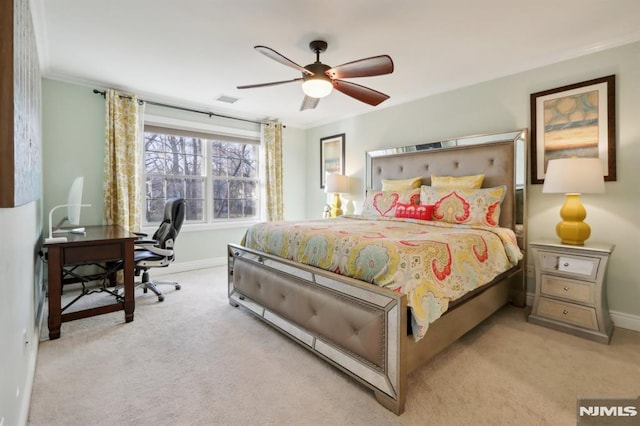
{"points": [[20, 105], [331, 156], [578, 120]]}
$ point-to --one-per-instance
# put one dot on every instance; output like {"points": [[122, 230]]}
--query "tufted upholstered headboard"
{"points": [[500, 156]]}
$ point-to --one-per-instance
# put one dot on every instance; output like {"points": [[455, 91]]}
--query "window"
{"points": [[234, 168], [216, 175]]}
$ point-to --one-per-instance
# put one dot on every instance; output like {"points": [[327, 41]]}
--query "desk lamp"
{"points": [[573, 176], [337, 184]]}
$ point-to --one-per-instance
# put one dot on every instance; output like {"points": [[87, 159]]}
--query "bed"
{"points": [[373, 332]]}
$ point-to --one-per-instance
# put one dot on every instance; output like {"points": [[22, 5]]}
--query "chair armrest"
{"points": [[152, 246], [140, 234], [160, 251]]}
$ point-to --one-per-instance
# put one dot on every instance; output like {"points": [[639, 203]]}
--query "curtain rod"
{"points": [[210, 114]]}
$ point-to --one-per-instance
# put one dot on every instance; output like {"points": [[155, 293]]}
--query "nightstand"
{"points": [[571, 289]]}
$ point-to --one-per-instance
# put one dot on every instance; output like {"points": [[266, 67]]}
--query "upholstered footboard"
{"points": [[359, 328]]}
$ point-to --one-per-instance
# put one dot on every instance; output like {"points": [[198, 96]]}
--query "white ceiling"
{"points": [[190, 52]]}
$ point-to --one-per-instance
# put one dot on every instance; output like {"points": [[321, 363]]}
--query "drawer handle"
{"points": [[566, 288], [565, 312], [566, 264]]}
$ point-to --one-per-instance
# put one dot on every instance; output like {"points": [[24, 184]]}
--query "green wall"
{"points": [[73, 145], [74, 128]]}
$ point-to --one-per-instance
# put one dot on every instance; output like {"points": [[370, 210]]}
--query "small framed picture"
{"points": [[331, 156], [578, 120]]}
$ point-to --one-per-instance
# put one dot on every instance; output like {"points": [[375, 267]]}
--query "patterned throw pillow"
{"points": [[401, 184], [413, 211], [383, 203], [465, 206], [471, 181]]}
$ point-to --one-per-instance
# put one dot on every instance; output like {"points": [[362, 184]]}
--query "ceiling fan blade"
{"points": [[309, 103], [361, 93], [376, 65], [274, 83], [269, 52]]}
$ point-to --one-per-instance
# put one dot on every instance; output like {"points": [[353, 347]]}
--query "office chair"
{"points": [[158, 251]]}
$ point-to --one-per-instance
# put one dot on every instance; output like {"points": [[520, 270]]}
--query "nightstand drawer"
{"points": [[568, 313], [576, 266], [571, 290]]}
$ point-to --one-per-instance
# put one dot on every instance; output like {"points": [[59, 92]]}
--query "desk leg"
{"points": [[129, 297], [54, 291]]}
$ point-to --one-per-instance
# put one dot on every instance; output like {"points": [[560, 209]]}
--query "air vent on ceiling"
{"points": [[227, 99]]}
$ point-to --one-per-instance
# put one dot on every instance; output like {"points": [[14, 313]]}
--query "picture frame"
{"points": [[577, 120], [20, 121], [331, 156]]}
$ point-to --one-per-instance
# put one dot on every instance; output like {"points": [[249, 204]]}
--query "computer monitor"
{"points": [[74, 205]]}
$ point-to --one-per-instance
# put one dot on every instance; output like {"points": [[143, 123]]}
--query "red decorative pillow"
{"points": [[413, 211], [464, 205]]}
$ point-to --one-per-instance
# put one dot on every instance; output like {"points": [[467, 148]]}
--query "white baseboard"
{"points": [[190, 266], [622, 320]]}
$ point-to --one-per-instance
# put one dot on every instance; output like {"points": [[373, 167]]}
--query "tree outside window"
{"points": [[191, 167]]}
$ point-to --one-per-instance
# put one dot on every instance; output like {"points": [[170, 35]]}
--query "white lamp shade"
{"points": [[317, 87], [337, 184], [574, 176]]}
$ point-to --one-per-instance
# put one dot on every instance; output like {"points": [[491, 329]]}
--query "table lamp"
{"points": [[337, 184], [573, 176]]}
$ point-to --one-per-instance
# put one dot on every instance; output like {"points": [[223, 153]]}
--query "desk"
{"points": [[98, 244]]}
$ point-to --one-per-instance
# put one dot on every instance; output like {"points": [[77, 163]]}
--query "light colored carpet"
{"points": [[195, 360]]}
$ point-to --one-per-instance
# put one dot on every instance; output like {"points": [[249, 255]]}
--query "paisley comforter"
{"points": [[433, 263]]}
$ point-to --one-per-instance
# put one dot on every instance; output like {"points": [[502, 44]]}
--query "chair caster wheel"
{"points": [[160, 298], [178, 287]]}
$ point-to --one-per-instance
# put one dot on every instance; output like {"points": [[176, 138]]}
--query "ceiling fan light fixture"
{"points": [[318, 79], [317, 87]]}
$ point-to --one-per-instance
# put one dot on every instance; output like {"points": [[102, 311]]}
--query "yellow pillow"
{"points": [[401, 184], [457, 182]]}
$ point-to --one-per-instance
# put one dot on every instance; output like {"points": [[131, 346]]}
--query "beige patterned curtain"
{"points": [[121, 176], [272, 143]]}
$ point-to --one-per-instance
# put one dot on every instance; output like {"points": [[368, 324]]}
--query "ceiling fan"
{"points": [[319, 79]]}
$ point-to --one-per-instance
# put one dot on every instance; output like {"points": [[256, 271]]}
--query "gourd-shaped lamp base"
{"points": [[572, 230], [336, 207]]}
